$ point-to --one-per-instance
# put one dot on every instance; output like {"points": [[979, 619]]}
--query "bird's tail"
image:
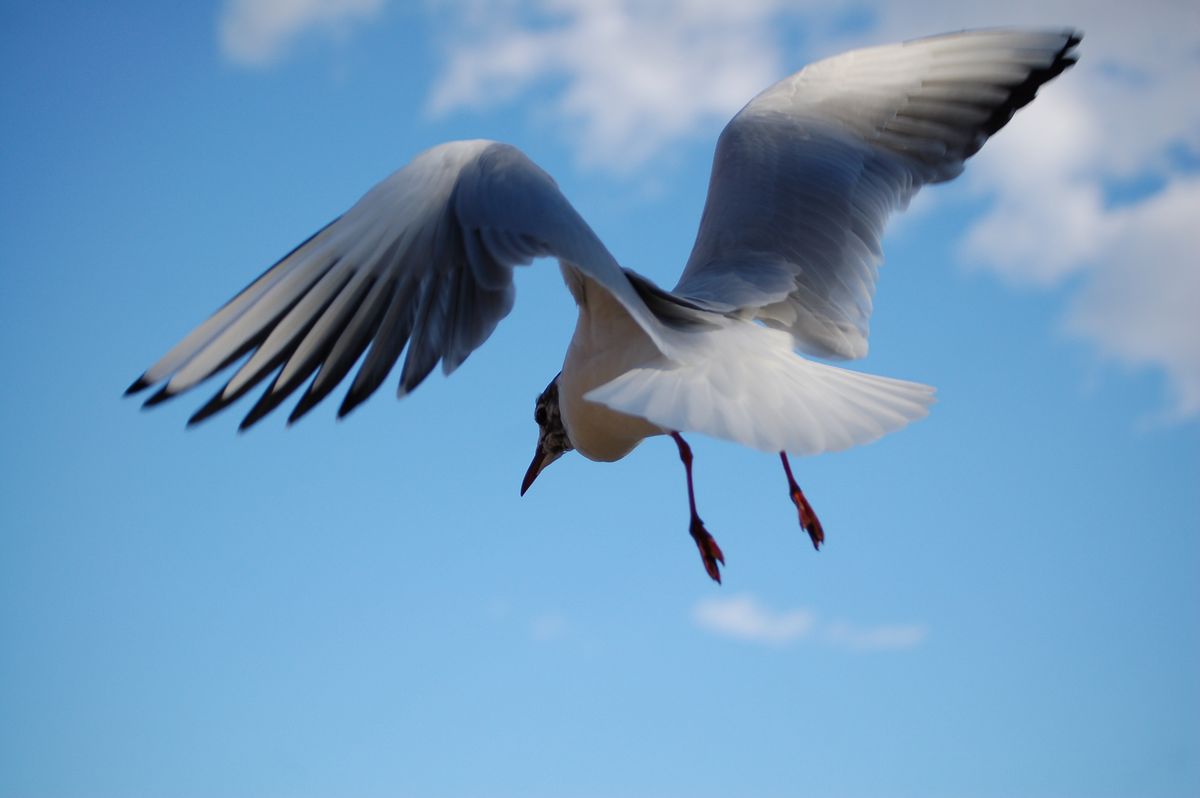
{"points": [[747, 385]]}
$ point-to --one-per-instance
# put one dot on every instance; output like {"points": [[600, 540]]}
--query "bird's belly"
{"points": [[606, 344], [599, 433]]}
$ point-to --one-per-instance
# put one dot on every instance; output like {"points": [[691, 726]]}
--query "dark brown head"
{"points": [[552, 435]]}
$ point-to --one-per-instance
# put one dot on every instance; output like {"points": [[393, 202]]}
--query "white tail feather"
{"points": [[752, 388]]}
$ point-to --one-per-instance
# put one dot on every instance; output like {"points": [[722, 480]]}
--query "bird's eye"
{"points": [[539, 416]]}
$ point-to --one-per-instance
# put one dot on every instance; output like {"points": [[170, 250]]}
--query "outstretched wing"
{"points": [[806, 175], [424, 259]]}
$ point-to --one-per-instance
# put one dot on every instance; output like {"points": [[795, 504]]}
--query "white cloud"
{"points": [[744, 618], [636, 76], [1139, 304], [1048, 217], [259, 33], [629, 80]]}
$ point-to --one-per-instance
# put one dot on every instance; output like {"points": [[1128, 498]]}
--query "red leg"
{"points": [[710, 552], [808, 519]]}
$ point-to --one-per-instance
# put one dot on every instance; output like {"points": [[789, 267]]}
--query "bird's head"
{"points": [[552, 435]]}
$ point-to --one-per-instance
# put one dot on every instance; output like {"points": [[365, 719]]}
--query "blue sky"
{"points": [[1008, 601]]}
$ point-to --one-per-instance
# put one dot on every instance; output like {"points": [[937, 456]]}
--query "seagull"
{"points": [[785, 262]]}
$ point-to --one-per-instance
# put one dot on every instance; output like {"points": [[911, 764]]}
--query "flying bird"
{"points": [[803, 181]]}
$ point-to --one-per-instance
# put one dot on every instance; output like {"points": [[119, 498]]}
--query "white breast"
{"points": [[607, 343]]}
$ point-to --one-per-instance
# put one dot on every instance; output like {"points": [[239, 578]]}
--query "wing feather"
{"points": [[386, 347], [347, 347], [422, 266], [807, 174]]}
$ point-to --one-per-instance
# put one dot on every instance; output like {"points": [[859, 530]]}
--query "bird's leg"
{"points": [[808, 519], [710, 552]]}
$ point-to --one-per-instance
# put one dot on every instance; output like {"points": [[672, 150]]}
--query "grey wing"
{"points": [[806, 175], [423, 260]]}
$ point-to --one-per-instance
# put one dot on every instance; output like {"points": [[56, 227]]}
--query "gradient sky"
{"points": [[1008, 602]]}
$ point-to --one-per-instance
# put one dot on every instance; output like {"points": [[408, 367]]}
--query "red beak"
{"points": [[535, 468]]}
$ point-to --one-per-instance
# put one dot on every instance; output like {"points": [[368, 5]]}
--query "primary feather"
{"points": [[422, 262]]}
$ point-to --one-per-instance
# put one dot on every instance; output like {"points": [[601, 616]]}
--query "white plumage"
{"points": [[787, 255]]}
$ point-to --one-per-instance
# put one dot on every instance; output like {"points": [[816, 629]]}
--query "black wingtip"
{"points": [[209, 409], [1023, 93], [411, 378], [163, 395], [139, 385], [265, 404], [346, 407], [354, 397], [307, 402], [1066, 56], [321, 386]]}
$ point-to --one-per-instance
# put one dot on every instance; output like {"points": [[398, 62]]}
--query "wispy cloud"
{"points": [[629, 80], [257, 33], [745, 618], [1139, 303]]}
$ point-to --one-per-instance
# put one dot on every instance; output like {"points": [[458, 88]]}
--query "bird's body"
{"points": [[606, 344], [786, 258]]}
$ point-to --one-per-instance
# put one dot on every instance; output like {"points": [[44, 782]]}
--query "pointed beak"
{"points": [[540, 460]]}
